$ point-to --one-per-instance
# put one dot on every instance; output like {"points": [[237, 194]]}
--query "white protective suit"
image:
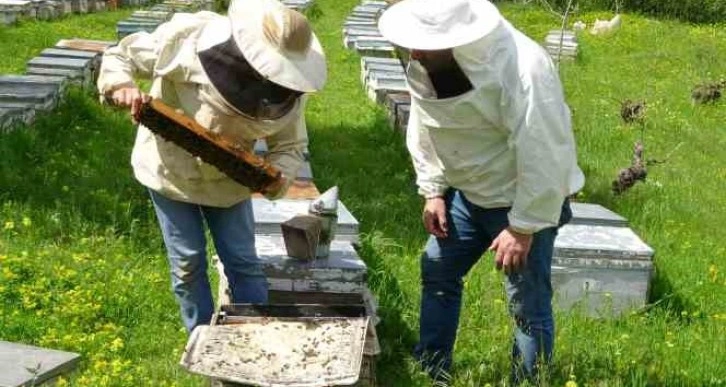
{"points": [[169, 57], [508, 141]]}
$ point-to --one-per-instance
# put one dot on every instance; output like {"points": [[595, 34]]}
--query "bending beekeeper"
{"points": [[243, 75], [491, 142]]}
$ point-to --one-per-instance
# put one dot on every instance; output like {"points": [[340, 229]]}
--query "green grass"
{"points": [[82, 266]]}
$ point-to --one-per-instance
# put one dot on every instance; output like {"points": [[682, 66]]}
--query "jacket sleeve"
{"points": [[285, 149], [542, 138], [135, 55], [429, 174]]}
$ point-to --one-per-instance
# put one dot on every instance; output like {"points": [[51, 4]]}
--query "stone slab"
{"points": [[25, 365], [269, 214], [596, 215]]}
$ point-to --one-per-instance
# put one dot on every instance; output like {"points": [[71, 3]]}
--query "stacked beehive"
{"points": [[561, 45], [41, 88], [12, 10], [339, 279]]}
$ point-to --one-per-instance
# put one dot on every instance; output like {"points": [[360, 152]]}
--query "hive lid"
{"points": [[596, 215], [586, 241]]}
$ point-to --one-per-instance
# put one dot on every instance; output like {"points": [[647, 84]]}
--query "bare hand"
{"points": [[511, 250], [130, 96], [434, 217]]}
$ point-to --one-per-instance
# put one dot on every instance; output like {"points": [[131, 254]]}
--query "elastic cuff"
{"points": [[437, 192]]}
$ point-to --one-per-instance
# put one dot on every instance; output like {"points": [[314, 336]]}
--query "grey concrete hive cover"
{"points": [[25, 365], [585, 241], [596, 215]]}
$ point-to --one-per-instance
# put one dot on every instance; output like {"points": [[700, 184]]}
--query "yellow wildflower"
{"points": [[27, 222], [9, 225], [571, 383], [117, 344]]}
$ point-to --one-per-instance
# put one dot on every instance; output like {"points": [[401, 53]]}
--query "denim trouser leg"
{"points": [[234, 239], [530, 304], [232, 228], [446, 261], [182, 228]]}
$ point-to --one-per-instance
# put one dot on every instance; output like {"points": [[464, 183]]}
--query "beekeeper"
{"points": [[244, 75], [494, 154]]}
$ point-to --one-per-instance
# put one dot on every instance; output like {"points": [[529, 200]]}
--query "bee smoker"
{"points": [[326, 209]]}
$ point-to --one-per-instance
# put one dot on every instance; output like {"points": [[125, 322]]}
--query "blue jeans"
{"points": [[446, 261], [233, 233]]}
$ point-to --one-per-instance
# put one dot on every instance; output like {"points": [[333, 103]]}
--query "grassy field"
{"points": [[82, 266]]}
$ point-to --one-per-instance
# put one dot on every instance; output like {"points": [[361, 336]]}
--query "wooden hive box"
{"points": [[287, 362], [239, 164]]}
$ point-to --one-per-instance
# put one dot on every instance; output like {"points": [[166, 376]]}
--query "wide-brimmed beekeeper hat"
{"points": [[276, 41], [438, 24]]}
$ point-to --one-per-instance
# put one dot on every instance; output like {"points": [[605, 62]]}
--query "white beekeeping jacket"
{"points": [[508, 141], [168, 56]]}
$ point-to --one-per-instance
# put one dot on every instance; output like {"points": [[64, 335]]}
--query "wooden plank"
{"points": [[22, 365]]}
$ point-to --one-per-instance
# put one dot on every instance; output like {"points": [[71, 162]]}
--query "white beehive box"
{"points": [[600, 265]]}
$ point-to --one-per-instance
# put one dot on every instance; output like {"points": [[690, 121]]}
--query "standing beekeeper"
{"points": [[494, 154], [243, 75]]}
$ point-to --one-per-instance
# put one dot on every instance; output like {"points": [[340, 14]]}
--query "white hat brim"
{"points": [[304, 72], [399, 25]]}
